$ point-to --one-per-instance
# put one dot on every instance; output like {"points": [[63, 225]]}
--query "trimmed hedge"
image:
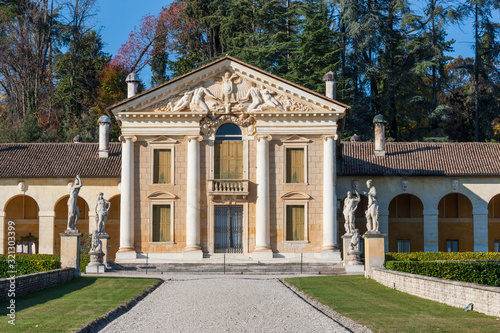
{"points": [[432, 256], [34, 263], [29, 264], [487, 273]]}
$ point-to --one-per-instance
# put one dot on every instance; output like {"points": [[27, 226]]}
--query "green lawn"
{"points": [[386, 310], [71, 306]]}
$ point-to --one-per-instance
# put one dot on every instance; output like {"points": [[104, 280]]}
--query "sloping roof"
{"points": [[421, 159], [48, 160], [227, 57]]}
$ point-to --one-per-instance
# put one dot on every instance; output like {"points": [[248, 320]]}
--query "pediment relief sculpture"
{"points": [[229, 92]]}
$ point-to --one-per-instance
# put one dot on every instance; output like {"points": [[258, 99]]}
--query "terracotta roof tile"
{"points": [[421, 159], [47, 160]]}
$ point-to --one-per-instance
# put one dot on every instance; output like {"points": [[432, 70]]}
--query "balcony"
{"points": [[228, 187]]}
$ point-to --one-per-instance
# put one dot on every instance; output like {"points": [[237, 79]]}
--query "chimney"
{"points": [[331, 85], [379, 121], [132, 85], [104, 122]]}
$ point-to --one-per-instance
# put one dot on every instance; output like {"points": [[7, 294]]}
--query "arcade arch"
{"points": [[23, 210], [406, 224], [455, 224], [494, 224]]}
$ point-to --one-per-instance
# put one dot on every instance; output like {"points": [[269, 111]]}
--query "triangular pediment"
{"points": [[226, 86], [295, 139], [163, 140]]}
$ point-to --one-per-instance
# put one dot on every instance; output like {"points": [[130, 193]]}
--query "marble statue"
{"points": [[372, 211], [198, 95], [254, 94], [228, 94], [354, 244], [183, 102], [73, 211], [350, 204], [102, 207], [96, 242], [267, 96]]}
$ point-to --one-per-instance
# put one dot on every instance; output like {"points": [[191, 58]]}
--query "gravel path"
{"points": [[223, 304]]}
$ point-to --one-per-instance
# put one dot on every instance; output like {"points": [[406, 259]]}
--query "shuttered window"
{"points": [[162, 168], [295, 165], [161, 223], [295, 218], [228, 160]]}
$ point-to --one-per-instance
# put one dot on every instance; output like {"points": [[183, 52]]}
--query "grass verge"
{"points": [[386, 310], [70, 306]]}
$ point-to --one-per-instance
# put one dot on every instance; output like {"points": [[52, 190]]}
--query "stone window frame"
{"points": [[296, 199], [163, 146], [161, 202], [296, 142], [405, 241], [453, 240]]}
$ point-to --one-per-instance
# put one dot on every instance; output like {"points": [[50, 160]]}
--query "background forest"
{"points": [[389, 56]]}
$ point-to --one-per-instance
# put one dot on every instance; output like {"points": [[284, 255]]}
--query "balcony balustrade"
{"points": [[228, 187]]}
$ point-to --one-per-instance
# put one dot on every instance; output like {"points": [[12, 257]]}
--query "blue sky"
{"points": [[117, 19]]}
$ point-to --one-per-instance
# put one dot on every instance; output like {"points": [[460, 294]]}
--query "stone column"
{"points": [[480, 218], [46, 224], [92, 225], [193, 248], [127, 248], [383, 225], [263, 228], [330, 247], [2, 233], [431, 235]]}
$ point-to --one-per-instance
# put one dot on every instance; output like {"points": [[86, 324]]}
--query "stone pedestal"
{"points": [[374, 251], [345, 247], [70, 250], [105, 248], [96, 264], [192, 254], [262, 254]]}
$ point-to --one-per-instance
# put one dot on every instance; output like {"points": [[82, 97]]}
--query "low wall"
{"points": [[29, 283], [485, 299]]}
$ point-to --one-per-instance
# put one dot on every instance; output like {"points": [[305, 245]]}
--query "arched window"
{"points": [[228, 161]]}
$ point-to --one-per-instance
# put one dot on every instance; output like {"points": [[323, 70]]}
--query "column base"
{"points": [[262, 253], [331, 255], [125, 253], [192, 254]]}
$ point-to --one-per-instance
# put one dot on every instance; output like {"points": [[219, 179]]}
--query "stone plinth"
{"points": [[96, 264], [70, 250], [192, 255], [345, 247], [104, 237], [374, 251], [262, 254]]}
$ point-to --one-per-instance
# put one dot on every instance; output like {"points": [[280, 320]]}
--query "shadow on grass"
{"points": [[49, 294]]}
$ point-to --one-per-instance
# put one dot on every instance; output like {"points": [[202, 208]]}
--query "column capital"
{"points": [[198, 138], [263, 136], [480, 211], [46, 213], [430, 212], [330, 136], [2, 213], [122, 138]]}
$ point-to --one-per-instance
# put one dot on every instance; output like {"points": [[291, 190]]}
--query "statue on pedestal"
{"points": [[372, 211], [350, 205], [73, 211], [102, 207], [354, 245]]}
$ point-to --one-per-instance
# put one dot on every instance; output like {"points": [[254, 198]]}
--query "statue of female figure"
{"points": [[73, 211], [102, 207], [350, 204], [372, 211]]}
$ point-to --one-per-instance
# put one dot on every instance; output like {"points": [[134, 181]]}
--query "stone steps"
{"points": [[234, 268]]}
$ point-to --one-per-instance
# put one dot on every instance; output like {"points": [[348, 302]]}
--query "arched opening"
{"points": [[23, 210], [113, 226], [455, 224], [406, 224], [494, 224], [61, 220], [228, 152], [359, 219]]}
